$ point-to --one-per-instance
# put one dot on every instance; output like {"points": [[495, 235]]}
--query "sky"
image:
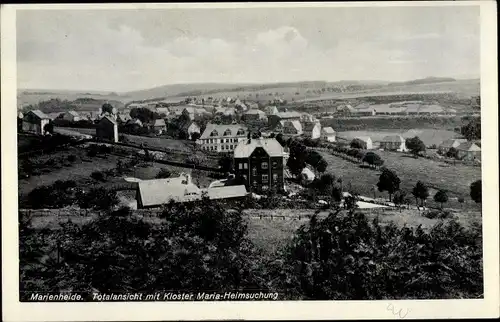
{"points": [[121, 50]]}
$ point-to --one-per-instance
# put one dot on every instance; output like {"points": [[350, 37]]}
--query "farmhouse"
{"points": [[289, 127], [222, 138], [469, 151], [107, 129], [393, 143], [328, 134], [312, 129], [159, 126], [34, 121], [362, 110], [274, 119], [71, 116], [446, 145], [260, 162], [190, 128], [368, 141], [254, 115], [385, 109]]}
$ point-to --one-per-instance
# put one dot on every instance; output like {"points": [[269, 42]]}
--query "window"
{"points": [[227, 147], [214, 133], [227, 132], [275, 164], [245, 165], [275, 177], [265, 178], [240, 132], [222, 147], [265, 188], [254, 183], [264, 165], [254, 171], [240, 166], [231, 146]]}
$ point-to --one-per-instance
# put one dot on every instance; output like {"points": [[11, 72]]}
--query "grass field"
{"points": [[428, 136], [456, 179], [81, 169]]}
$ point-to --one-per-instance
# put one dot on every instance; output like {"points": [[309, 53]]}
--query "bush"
{"points": [[72, 158], [98, 199], [346, 257], [98, 175]]}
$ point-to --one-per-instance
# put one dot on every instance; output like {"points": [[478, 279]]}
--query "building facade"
{"points": [[393, 143], [328, 134], [260, 163], [312, 129], [222, 138], [35, 121], [107, 129]]}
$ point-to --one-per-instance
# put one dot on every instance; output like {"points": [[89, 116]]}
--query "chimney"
{"points": [[249, 137]]}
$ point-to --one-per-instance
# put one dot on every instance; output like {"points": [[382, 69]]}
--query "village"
{"points": [[229, 131]]}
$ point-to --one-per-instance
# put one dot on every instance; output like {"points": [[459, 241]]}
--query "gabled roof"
{"points": [[221, 128], [161, 191], [124, 117], [452, 143], [134, 121], [110, 119], [272, 147], [469, 146], [159, 122], [309, 126], [272, 110], [40, 114], [363, 138], [288, 115], [226, 192], [73, 113], [292, 123], [328, 130], [253, 112], [393, 139], [186, 125]]}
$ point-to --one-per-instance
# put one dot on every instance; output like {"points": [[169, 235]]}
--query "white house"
{"points": [[312, 129], [328, 134], [368, 141], [222, 138], [191, 128]]}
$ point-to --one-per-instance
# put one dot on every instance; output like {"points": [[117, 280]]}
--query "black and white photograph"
{"points": [[274, 153]]}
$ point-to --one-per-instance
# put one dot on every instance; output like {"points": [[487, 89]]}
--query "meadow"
{"points": [[428, 136], [435, 174]]}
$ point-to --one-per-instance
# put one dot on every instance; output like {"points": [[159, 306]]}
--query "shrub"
{"points": [[98, 175], [346, 257], [72, 158]]}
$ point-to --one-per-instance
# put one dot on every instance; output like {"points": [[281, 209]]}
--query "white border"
{"points": [[417, 309]]}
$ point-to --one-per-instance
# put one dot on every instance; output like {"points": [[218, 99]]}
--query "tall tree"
{"points": [[372, 159], [415, 145], [358, 144], [476, 191], [388, 181], [441, 196], [472, 130], [420, 191]]}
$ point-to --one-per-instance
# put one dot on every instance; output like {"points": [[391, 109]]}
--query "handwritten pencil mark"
{"points": [[391, 308]]}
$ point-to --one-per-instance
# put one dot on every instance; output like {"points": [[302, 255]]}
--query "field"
{"points": [[428, 136], [81, 169], [152, 142], [436, 174], [448, 123], [469, 87]]}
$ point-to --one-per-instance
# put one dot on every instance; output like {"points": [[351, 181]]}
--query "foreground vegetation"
{"points": [[205, 246]]}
